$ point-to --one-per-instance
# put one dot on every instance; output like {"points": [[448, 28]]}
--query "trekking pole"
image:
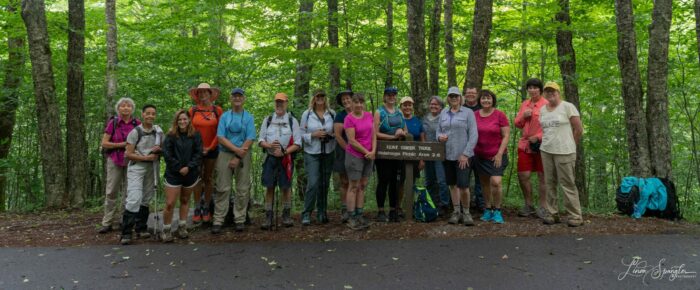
{"points": [[156, 217]]}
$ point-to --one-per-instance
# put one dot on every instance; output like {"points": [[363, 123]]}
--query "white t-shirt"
{"points": [[558, 136]]}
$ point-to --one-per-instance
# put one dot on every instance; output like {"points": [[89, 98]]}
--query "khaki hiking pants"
{"points": [[223, 175], [560, 169], [115, 183]]}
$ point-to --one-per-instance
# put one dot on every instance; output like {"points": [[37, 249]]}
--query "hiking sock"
{"points": [[457, 208], [359, 211], [182, 223], [166, 228]]}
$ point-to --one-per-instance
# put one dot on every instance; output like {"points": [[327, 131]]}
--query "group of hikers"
{"points": [[206, 149]]}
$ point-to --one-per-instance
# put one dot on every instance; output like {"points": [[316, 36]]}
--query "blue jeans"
{"points": [[436, 184], [317, 182]]}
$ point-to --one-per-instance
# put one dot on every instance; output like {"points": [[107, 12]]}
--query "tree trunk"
{"points": [[449, 46], [10, 93], [632, 95], [389, 43], [303, 75], [478, 51], [697, 26], [523, 54], [416, 54], [111, 73], [76, 145], [567, 65], [50, 137], [657, 93], [543, 61], [434, 49], [333, 68]]}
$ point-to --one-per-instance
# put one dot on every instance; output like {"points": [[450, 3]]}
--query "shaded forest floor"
{"points": [[79, 228]]}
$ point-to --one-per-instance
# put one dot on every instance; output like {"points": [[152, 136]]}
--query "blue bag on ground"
{"points": [[639, 197], [424, 209]]}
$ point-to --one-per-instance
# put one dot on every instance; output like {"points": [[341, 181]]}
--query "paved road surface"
{"points": [[561, 262]]}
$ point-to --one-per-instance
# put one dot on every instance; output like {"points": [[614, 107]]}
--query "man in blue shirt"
{"points": [[236, 133]]}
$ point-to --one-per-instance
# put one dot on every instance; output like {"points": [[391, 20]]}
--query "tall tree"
{"points": [[10, 88], [303, 74], [416, 53], [333, 68], [389, 43], [632, 94], [697, 25], [523, 53], [478, 51], [76, 145], [111, 72], [50, 136], [449, 46], [348, 40], [566, 57], [434, 48], [657, 93]]}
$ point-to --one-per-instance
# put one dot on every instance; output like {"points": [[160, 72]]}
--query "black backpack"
{"points": [[626, 201]]}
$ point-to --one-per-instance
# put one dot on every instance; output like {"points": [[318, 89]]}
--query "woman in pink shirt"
{"points": [[491, 155], [362, 141]]}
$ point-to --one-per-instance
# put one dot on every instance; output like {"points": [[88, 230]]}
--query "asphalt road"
{"points": [[560, 262]]}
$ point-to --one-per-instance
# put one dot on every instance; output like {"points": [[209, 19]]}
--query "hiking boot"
{"points": [[216, 229], [239, 227], [322, 217], [381, 217], [363, 221], [467, 218], [551, 219], [143, 235], [182, 232], [206, 214], [305, 219], [105, 229], [497, 217], [393, 216], [487, 216], [267, 224], [344, 216], [287, 217], [526, 211], [166, 236], [455, 218], [574, 223], [125, 239], [541, 212], [354, 223], [197, 217]]}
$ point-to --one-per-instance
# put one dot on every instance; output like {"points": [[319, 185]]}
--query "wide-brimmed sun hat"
{"points": [[215, 92]]}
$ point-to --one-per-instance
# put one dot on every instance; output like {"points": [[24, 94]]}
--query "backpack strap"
{"points": [[114, 127]]}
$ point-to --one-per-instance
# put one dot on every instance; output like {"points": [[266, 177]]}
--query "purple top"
{"points": [[364, 128], [123, 129]]}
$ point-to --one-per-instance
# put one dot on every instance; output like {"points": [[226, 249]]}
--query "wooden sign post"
{"points": [[410, 151]]}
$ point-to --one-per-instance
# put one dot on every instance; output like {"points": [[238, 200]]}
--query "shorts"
{"points": [[357, 168], [339, 162], [212, 154], [176, 179], [529, 162], [456, 176], [487, 167], [272, 166]]}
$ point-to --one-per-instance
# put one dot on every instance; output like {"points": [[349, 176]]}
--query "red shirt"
{"points": [[205, 121], [490, 137], [530, 125]]}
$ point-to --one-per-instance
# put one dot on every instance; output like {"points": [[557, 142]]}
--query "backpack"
{"points": [[424, 209], [626, 201], [113, 120], [291, 127], [195, 109]]}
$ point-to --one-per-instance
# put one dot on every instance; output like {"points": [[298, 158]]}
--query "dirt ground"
{"points": [[78, 228]]}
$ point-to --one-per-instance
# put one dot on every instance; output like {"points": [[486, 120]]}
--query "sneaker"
{"points": [[344, 216], [467, 218], [143, 235], [239, 227], [125, 240], [354, 224], [267, 224], [574, 223], [105, 229], [455, 218], [215, 229], [197, 217], [541, 212], [287, 218], [551, 219], [305, 219], [526, 211], [166, 236], [363, 221], [182, 232], [487, 216], [206, 215], [381, 217], [497, 217], [322, 217]]}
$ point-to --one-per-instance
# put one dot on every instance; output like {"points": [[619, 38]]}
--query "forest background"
{"points": [[628, 65]]}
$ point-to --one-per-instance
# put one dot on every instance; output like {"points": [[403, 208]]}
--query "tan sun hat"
{"points": [[552, 86], [204, 86], [281, 97], [406, 99]]}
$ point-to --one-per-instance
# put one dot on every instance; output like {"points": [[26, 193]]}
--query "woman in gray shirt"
{"points": [[434, 172], [457, 129]]}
